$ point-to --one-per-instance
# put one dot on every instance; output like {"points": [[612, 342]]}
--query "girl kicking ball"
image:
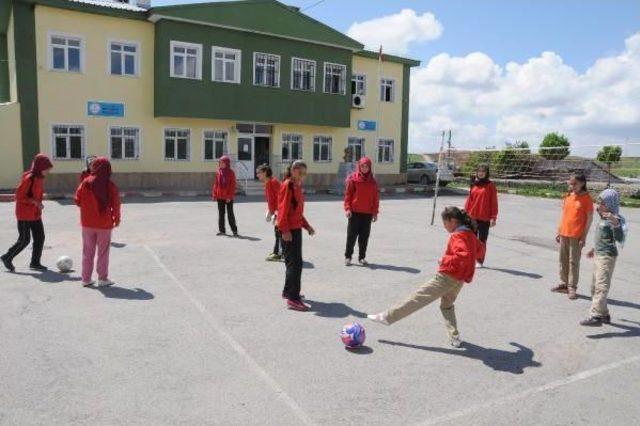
{"points": [[29, 214], [611, 229], [99, 202], [224, 191], [577, 214], [271, 189], [361, 204], [482, 206], [457, 266], [290, 222]]}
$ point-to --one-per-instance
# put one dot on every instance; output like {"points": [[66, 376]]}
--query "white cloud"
{"points": [[396, 32]]}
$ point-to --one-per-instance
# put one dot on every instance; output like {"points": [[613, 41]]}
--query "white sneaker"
{"points": [[381, 318], [479, 265], [455, 341], [105, 283], [363, 262], [347, 262]]}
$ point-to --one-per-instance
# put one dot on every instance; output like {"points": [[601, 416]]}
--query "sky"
{"points": [[499, 71]]}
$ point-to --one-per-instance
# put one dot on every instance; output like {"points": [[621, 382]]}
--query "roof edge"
{"points": [[89, 8], [389, 58]]}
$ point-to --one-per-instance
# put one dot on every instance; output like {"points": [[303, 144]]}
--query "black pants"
{"points": [[293, 262], [232, 217], [483, 236], [359, 229], [278, 244], [26, 228]]}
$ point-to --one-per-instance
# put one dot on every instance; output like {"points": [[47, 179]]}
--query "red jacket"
{"points": [[271, 190], [291, 207], [90, 215], [362, 197], [459, 260], [26, 209], [482, 203], [225, 193]]}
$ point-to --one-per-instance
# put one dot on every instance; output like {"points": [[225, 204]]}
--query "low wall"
{"points": [[10, 145]]}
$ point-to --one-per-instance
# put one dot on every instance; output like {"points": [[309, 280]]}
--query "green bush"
{"points": [[557, 147]]}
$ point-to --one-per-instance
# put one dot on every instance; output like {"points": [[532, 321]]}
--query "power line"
{"points": [[312, 5]]}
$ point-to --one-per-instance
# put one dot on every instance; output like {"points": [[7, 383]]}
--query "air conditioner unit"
{"points": [[357, 101]]}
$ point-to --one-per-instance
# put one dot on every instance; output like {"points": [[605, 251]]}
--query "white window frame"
{"points": [[304, 62], [66, 36], [387, 82], [175, 43], [330, 152], [136, 61], [343, 86], [361, 141], [82, 146], [290, 142], [138, 143], [175, 142], [236, 66], [363, 81], [381, 146], [214, 139], [278, 69]]}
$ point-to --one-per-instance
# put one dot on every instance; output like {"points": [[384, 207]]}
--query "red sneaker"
{"points": [[297, 305]]}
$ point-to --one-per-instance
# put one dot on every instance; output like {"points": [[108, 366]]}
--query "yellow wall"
{"points": [[10, 145], [63, 99]]}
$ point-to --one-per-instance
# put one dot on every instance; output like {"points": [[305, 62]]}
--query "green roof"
{"points": [[388, 58]]}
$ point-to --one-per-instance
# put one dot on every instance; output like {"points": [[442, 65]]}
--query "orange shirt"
{"points": [[575, 214]]}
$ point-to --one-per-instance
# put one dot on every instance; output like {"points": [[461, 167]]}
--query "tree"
{"points": [[514, 161], [554, 146], [609, 154]]}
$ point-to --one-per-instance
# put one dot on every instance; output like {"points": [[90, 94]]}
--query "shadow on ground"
{"points": [[614, 302], [114, 292], [49, 277], [333, 310], [515, 272], [496, 359], [393, 268], [629, 331]]}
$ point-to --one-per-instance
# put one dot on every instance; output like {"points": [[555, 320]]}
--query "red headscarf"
{"points": [[359, 176], [99, 181], [223, 174], [40, 163]]}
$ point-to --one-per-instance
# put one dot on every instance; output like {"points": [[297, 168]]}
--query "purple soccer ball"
{"points": [[353, 335]]}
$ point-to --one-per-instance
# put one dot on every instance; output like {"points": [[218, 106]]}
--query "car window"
{"points": [[418, 166]]}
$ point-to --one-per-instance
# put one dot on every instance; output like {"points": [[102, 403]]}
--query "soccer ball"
{"points": [[353, 335], [64, 264]]}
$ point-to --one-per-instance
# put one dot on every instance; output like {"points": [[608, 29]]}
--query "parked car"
{"points": [[425, 172]]}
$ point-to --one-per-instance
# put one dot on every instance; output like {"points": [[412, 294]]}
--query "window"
{"points": [[359, 84], [266, 69], [356, 149], [322, 148], [335, 76], [177, 144], [385, 151], [387, 90], [123, 58], [68, 142], [225, 65], [124, 143], [186, 60], [215, 144], [303, 74], [291, 147], [65, 53]]}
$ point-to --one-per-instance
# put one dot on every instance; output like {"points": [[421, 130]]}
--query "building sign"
{"points": [[105, 109], [366, 125]]}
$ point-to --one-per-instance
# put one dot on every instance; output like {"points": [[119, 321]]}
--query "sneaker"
{"points": [[297, 305], [478, 265], [221, 233], [7, 264], [381, 318], [347, 261], [606, 319], [560, 288], [273, 257], [363, 262], [571, 292], [38, 267], [236, 235], [455, 341], [88, 283], [105, 283], [592, 322]]}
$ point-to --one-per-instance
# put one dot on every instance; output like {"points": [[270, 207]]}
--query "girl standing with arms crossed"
{"points": [[482, 206], [29, 208], [224, 191], [577, 214], [361, 203], [99, 202], [271, 189], [457, 266], [290, 222]]}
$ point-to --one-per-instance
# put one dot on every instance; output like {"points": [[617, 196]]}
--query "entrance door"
{"points": [[261, 150], [245, 167]]}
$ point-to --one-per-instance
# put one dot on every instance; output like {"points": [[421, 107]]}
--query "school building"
{"points": [[164, 91]]}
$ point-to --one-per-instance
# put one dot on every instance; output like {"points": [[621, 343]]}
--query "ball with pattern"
{"points": [[64, 264], [353, 335]]}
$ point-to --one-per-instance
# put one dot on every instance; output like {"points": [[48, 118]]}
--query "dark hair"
{"points": [[264, 168], [485, 167], [461, 216], [580, 177], [297, 164]]}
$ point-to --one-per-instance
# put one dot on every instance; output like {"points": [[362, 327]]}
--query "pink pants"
{"points": [[92, 238]]}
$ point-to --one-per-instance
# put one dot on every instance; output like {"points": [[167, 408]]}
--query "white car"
{"points": [[425, 172]]}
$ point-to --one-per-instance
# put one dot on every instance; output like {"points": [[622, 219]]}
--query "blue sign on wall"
{"points": [[105, 109], [366, 125]]}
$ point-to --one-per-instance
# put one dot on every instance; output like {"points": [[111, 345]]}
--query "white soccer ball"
{"points": [[64, 264]]}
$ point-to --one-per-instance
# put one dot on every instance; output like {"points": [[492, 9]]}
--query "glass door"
{"points": [[245, 157]]}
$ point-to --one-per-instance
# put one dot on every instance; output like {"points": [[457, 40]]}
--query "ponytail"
{"points": [[297, 164], [461, 216]]}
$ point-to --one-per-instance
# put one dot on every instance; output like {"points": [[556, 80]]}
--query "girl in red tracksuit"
{"points": [[457, 267], [271, 189], [290, 222], [482, 206], [224, 191], [99, 202], [29, 207], [361, 204]]}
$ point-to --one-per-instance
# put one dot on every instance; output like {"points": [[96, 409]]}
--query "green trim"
{"points": [[5, 15], [404, 134], [27, 79], [5, 92], [88, 8], [388, 58]]}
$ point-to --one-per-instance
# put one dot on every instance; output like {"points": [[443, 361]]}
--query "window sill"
{"points": [[67, 159], [178, 160], [125, 75], [225, 82], [266, 86], [186, 78], [304, 90], [65, 71]]}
